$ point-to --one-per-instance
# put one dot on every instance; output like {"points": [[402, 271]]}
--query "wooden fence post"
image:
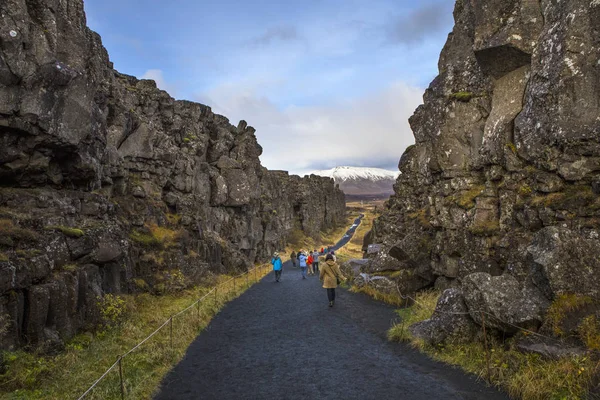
{"points": [[487, 352], [121, 377]]}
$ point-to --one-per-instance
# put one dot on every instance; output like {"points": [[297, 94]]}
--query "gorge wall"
{"points": [[499, 199], [109, 185]]}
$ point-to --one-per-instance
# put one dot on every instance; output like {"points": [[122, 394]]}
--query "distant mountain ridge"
{"points": [[361, 181]]}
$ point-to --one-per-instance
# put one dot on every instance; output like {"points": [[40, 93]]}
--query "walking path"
{"points": [[282, 341]]}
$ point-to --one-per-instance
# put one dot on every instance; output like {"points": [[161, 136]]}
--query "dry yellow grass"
{"points": [[69, 374]]}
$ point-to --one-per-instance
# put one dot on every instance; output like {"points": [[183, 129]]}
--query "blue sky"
{"points": [[324, 82]]}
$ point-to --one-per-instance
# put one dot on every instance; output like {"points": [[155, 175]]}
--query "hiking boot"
{"points": [[331, 304]]}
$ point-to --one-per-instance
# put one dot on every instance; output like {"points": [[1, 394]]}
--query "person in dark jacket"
{"points": [[315, 260], [293, 258]]}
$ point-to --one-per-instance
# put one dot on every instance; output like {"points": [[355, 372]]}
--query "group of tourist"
{"points": [[329, 274]]}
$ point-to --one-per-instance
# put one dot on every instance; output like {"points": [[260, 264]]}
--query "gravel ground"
{"points": [[282, 341]]}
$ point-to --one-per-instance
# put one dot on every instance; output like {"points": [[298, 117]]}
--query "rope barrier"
{"points": [[170, 320]]}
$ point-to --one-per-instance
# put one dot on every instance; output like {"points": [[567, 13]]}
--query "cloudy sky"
{"points": [[324, 82]]}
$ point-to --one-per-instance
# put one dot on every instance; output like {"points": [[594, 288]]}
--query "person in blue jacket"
{"points": [[302, 259], [277, 266]]}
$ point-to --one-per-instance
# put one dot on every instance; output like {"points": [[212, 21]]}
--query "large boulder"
{"points": [[503, 302], [570, 261], [450, 322]]}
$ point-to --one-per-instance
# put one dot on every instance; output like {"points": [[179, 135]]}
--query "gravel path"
{"points": [[282, 341]]}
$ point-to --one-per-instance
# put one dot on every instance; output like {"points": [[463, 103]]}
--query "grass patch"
{"points": [[561, 307], [488, 228], [87, 356], [466, 198], [3, 257], [11, 232], [155, 236], [67, 231], [421, 217], [387, 298], [571, 197], [525, 376]]}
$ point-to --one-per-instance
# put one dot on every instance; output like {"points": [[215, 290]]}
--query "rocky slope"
{"points": [[362, 182], [108, 185], [499, 196]]}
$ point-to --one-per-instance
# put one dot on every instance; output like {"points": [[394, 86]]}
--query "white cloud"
{"points": [[371, 130]]}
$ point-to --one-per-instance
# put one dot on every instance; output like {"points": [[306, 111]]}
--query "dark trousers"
{"points": [[331, 294], [277, 275], [316, 267]]}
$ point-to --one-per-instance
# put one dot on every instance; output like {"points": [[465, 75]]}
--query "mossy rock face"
{"points": [[462, 96]]}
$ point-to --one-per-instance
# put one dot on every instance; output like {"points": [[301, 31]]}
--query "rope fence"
{"points": [[258, 272]]}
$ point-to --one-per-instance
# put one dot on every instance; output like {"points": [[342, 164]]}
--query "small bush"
{"points": [[112, 310]]}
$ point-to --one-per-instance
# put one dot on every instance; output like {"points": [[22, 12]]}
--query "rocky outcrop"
{"points": [[108, 184], [499, 195]]}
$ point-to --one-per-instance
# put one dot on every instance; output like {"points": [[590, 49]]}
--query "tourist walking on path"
{"points": [[302, 259], [322, 251], [293, 258], [309, 264], [315, 260], [330, 275], [277, 266]]}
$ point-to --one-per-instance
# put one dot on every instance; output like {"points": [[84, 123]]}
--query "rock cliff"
{"points": [[499, 196], [109, 185]]}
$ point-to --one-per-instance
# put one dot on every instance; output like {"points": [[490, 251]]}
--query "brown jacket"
{"points": [[328, 274]]}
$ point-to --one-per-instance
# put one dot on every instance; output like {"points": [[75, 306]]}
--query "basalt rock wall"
{"points": [[109, 185], [499, 196]]}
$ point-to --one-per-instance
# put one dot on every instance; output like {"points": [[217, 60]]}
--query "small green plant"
{"points": [[463, 96], [112, 310], [511, 146], [525, 190], [67, 231], [3, 257]]}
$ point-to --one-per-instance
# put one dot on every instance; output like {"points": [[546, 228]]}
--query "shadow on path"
{"points": [[282, 341]]}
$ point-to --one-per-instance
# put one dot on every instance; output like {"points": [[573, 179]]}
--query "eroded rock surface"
{"points": [[500, 193], [109, 185]]}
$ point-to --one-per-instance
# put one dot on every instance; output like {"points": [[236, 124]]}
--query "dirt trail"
{"points": [[282, 341]]}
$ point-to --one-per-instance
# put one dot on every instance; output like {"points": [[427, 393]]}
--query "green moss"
{"points": [[12, 233], [144, 239], [512, 147], [3, 257], [421, 216], [141, 284], [589, 332], [67, 231], [463, 96], [69, 267], [28, 253]]}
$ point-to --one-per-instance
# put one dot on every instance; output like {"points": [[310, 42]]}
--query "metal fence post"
{"points": [[255, 276], [198, 312], [216, 290], [121, 377]]}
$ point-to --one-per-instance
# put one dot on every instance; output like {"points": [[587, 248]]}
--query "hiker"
{"points": [[326, 252], [302, 259], [309, 264], [332, 253], [315, 260], [293, 258], [331, 276], [277, 266], [322, 251]]}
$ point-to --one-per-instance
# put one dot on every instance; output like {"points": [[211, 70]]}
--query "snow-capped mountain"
{"points": [[359, 181]]}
